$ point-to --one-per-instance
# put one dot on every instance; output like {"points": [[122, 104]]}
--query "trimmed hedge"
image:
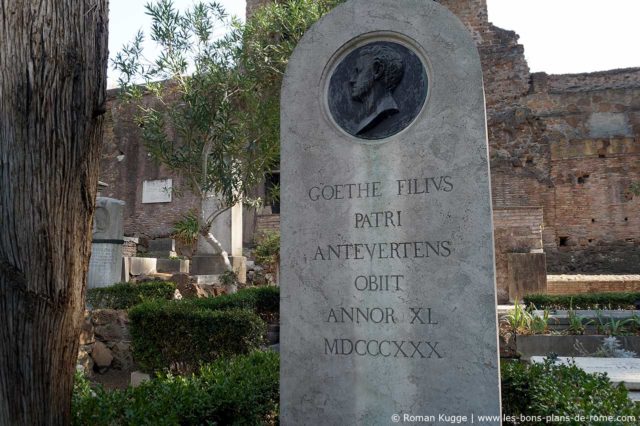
{"points": [[583, 301], [125, 295], [540, 390], [179, 336], [264, 301], [239, 391]]}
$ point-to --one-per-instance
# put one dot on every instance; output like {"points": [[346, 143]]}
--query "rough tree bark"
{"points": [[53, 59]]}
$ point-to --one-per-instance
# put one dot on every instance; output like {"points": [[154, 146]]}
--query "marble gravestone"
{"points": [[388, 306], [105, 265]]}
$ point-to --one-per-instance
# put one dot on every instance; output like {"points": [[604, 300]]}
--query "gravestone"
{"points": [[388, 306], [105, 265]]}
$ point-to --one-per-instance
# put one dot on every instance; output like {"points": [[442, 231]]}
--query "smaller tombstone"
{"points": [[105, 266]]}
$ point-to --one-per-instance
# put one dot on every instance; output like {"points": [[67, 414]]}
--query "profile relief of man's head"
{"points": [[378, 72]]}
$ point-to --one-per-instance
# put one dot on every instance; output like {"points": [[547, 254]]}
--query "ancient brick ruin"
{"points": [[564, 152]]}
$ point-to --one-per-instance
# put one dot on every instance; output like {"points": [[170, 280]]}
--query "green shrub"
{"points": [[264, 301], [584, 301], [238, 391], [267, 250], [187, 229], [126, 295], [179, 335], [546, 389]]}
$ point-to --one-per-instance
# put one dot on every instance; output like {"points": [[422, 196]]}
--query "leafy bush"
{"points": [[584, 301], [125, 295], [264, 301], [561, 390], [187, 229], [180, 335], [238, 391], [268, 249]]}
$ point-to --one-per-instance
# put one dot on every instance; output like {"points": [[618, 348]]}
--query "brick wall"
{"points": [[592, 127], [125, 164], [267, 223], [577, 284]]}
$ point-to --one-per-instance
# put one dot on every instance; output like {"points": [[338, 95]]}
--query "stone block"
{"points": [[138, 377], [207, 279], [172, 266], [142, 265], [102, 356], [162, 245], [207, 265], [111, 325], [527, 274], [122, 356]]}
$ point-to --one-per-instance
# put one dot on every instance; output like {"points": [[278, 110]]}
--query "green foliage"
{"points": [[197, 122], [584, 301], [577, 324], [540, 325], [187, 229], [127, 295], [635, 188], [237, 391], [561, 390], [228, 278], [267, 250], [179, 335], [264, 301], [523, 321], [269, 38], [519, 319]]}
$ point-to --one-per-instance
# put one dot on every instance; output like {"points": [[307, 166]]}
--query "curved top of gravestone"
{"points": [[425, 32], [108, 220]]}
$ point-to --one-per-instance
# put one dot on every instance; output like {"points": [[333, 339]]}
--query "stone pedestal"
{"points": [[527, 274], [214, 265]]}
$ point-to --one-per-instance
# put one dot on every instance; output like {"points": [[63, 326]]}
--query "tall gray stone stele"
{"points": [[388, 282], [105, 265]]}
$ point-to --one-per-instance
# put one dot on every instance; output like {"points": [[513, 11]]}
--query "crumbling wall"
{"points": [[592, 126], [125, 164]]}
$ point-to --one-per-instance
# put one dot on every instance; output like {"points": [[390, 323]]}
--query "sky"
{"points": [[559, 36]]}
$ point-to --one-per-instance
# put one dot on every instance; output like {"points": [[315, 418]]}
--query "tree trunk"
{"points": [[213, 242], [53, 58]]}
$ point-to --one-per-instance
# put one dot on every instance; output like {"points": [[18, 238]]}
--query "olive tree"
{"points": [[215, 118], [197, 122]]}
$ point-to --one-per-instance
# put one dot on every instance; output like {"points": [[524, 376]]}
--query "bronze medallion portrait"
{"points": [[377, 90]]}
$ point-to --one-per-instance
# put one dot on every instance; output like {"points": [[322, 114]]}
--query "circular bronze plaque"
{"points": [[377, 90]]}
